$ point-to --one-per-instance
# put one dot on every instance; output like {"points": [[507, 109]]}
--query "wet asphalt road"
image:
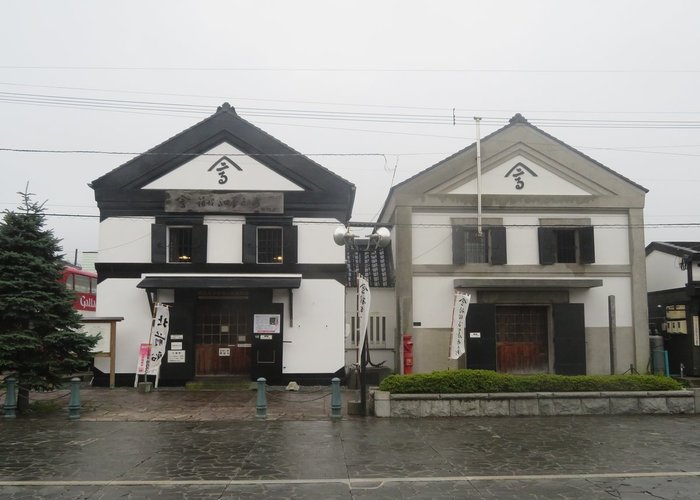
{"points": [[628, 457]]}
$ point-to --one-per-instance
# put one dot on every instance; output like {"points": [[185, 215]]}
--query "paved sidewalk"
{"points": [[177, 404]]}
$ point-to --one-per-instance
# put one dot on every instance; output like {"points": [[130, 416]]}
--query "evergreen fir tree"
{"points": [[40, 341]]}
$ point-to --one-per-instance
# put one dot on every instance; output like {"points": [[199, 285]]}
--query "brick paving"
{"points": [[178, 404], [178, 444]]}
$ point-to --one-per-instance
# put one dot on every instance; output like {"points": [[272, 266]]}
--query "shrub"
{"points": [[480, 381]]}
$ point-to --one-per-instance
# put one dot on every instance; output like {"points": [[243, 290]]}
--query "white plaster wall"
{"points": [[120, 297], [611, 239], [595, 302], [315, 243], [224, 239], [664, 272], [432, 237], [315, 343], [125, 240], [195, 174], [433, 298]]}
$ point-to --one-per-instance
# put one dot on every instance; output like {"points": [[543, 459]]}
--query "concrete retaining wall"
{"points": [[535, 404]]}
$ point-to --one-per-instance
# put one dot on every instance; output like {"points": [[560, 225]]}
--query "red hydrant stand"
{"points": [[407, 354]]}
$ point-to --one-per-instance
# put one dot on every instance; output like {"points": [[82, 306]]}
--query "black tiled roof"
{"points": [[376, 265]]}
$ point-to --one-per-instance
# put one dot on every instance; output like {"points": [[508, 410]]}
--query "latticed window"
{"points": [[475, 247], [376, 332], [180, 244], [270, 248], [566, 245], [470, 248]]}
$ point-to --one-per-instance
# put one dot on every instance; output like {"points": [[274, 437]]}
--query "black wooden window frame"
{"points": [[549, 239], [269, 248], [494, 244], [160, 236], [250, 239], [180, 244]]}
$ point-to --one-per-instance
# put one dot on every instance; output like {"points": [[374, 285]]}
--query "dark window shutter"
{"points": [[158, 243], [548, 245], [481, 351], [250, 235], [458, 255], [289, 242], [199, 244], [586, 245], [569, 339], [499, 255]]}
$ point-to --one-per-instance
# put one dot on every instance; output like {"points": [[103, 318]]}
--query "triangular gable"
{"points": [[519, 176], [224, 168], [510, 156], [224, 145]]}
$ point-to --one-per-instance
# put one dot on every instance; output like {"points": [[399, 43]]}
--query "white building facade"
{"points": [[234, 231], [540, 238]]}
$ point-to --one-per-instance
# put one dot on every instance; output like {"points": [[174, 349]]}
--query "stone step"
{"points": [[221, 384]]}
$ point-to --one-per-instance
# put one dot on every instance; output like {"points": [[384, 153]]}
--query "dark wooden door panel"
{"points": [[481, 347], [223, 325], [569, 339], [522, 339]]}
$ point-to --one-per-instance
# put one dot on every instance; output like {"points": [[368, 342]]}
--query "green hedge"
{"points": [[476, 381]]}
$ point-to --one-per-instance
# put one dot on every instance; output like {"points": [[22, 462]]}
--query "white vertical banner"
{"points": [[159, 338], [459, 316], [363, 305]]}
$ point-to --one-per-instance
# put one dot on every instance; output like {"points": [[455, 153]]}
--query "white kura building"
{"points": [[234, 231], [560, 235]]}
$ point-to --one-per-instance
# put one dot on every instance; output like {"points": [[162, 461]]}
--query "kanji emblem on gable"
{"points": [[519, 176], [221, 165]]}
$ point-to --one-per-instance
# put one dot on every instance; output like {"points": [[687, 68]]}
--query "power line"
{"points": [[372, 224], [302, 114], [463, 109], [273, 69], [253, 155]]}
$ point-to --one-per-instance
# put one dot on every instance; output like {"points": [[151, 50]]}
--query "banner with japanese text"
{"points": [[459, 316], [363, 305], [159, 338]]}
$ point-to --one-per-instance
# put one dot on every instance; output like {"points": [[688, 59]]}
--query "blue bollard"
{"points": [[336, 403], [74, 403], [10, 406], [261, 405]]}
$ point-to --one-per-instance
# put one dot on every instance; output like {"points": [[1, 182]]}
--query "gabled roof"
{"points": [[677, 248], [319, 184], [516, 121]]}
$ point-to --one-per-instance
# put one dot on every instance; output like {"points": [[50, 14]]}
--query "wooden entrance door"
{"points": [[223, 338], [521, 339]]}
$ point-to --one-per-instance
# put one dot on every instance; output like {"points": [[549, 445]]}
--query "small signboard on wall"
{"points": [[224, 351], [266, 323], [176, 356]]}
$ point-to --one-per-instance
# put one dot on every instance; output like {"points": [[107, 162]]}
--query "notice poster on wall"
{"points": [[176, 356], [266, 323]]}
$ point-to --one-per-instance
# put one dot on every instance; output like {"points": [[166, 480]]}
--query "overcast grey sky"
{"points": [[617, 80]]}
